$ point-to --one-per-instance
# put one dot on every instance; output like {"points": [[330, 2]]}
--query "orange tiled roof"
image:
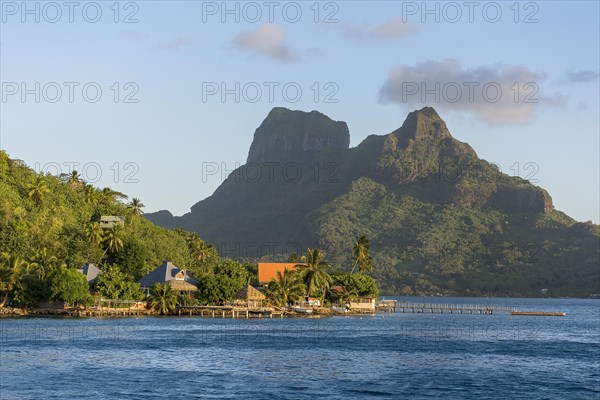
{"points": [[268, 271]]}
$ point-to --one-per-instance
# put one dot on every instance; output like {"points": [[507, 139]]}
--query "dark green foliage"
{"points": [[218, 289], [116, 285], [68, 284], [362, 285], [32, 291], [163, 299], [227, 279]]}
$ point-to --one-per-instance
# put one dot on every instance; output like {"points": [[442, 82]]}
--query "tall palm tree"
{"points": [[94, 232], [314, 273], [134, 208], [162, 299], [12, 268], [361, 255], [290, 285], [38, 189], [75, 179], [113, 239], [201, 251]]}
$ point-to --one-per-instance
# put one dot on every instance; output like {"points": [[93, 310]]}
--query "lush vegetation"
{"points": [[226, 279], [314, 277], [49, 228]]}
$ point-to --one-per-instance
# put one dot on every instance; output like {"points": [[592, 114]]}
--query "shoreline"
{"points": [[18, 313]]}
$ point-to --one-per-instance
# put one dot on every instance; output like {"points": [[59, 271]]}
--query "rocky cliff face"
{"points": [[523, 200], [421, 125], [291, 135]]}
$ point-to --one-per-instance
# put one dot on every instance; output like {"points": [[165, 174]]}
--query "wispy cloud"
{"points": [[581, 76], [268, 41], [487, 92], [133, 35], [142, 38], [175, 44], [388, 30]]}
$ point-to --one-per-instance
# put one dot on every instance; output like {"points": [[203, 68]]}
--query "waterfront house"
{"points": [[109, 221], [268, 270], [363, 304], [250, 297], [313, 302], [167, 273], [90, 271]]}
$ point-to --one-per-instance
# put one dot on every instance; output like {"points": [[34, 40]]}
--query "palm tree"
{"points": [[314, 272], [75, 179], [134, 208], [201, 252], [109, 196], [11, 270], [347, 296], [113, 239], [288, 287], [43, 264], [361, 256], [192, 238], [90, 194], [162, 299], [94, 232], [180, 232], [38, 189]]}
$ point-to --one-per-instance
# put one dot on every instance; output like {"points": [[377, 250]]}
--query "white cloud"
{"points": [[497, 94], [394, 29], [388, 30], [268, 40]]}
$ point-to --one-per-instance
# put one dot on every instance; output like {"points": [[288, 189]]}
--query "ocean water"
{"points": [[396, 356]]}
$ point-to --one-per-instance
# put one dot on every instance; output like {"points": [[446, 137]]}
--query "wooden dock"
{"points": [[441, 308], [228, 312], [539, 313]]}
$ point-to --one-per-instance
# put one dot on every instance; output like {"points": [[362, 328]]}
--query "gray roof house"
{"points": [[108, 221], [177, 278], [90, 271]]}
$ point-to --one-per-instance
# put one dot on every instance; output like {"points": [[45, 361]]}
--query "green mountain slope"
{"points": [[52, 228], [440, 219]]}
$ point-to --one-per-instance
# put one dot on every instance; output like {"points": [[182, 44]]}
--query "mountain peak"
{"points": [[289, 134], [423, 124]]}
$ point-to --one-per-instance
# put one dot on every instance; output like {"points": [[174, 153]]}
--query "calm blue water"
{"points": [[396, 356]]}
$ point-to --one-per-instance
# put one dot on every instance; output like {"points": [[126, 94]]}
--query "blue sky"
{"points": [[372, 58]]}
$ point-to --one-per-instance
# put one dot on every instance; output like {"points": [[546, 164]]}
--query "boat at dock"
{"points": [[303, 310], [339, 310]]}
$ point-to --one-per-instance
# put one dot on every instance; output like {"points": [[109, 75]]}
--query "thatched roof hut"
{"points": [[249, 293], [250, 296]]}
